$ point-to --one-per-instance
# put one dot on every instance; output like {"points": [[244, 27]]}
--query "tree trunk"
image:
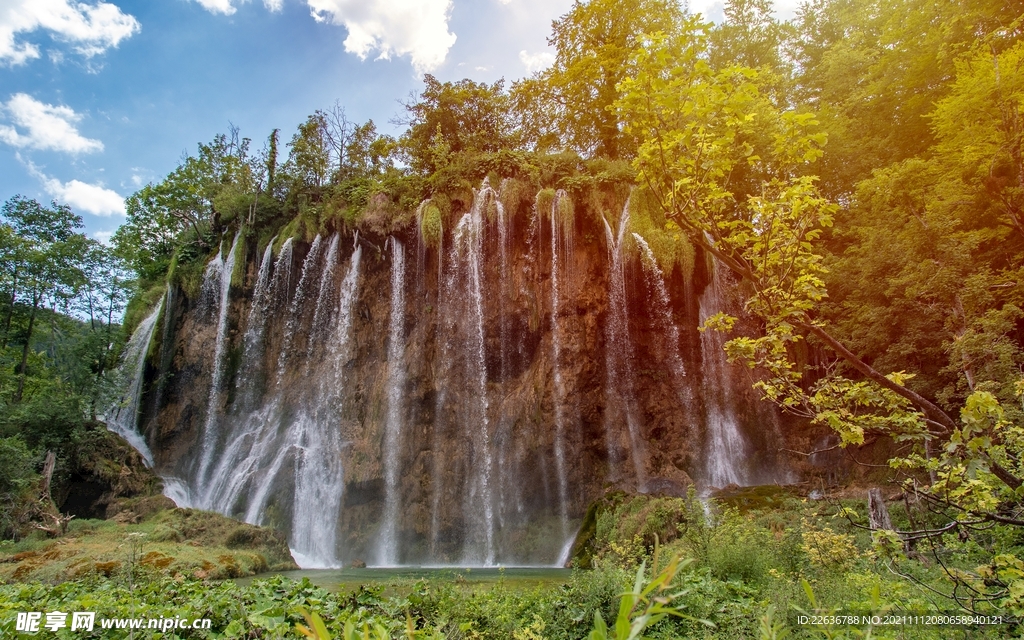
{"points": [[878, 513], [51, 461], [10, 309], [24, 354]]}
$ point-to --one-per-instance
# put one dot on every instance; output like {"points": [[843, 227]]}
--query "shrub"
{"points": [[431, 225]]}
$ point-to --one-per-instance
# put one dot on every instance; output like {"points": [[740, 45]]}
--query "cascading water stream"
{"points": [[665, 324], [294, 323], [256, 328], [621, 381], [223, 270], [293, 434], [387, 553], [123, 417], [325, 301], [320, 478], [726, 450], [464, 287], [556, 348]]}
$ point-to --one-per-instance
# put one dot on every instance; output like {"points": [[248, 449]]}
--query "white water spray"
{"points": [[223, 269], [621, 381], [123, 417], [556, 348], [726, 450], [387, 552]]}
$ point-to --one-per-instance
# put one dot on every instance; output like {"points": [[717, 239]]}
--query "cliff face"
{"points": [[382, 399]]}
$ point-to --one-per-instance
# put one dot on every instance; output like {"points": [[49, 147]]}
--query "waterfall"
{"points": [[293, 327], [221, 270], [376, 418], [319, 476], [556, 365], [726, 451], [387, 553], [466, 354], [620, 389], [663, 309], [325, 300], [292, 440], [123, 417], [256, 328], [503, 439]]}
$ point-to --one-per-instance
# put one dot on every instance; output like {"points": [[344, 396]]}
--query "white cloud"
{"points": [[90, 198], [417, 28], [91, 29], [535, 62], [103, 237], [226, 7], [44, 126]]}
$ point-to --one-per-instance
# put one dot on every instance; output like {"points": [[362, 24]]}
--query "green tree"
{"points": [[946, 247], [50, 262], [570, 103], [222, 183], [751, 36], [452, 120], [309, 161]]}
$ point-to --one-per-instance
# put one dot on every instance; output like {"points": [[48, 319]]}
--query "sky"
{"points": [[98, 98]]}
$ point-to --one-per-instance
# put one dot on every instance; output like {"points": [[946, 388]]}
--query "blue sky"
{"points": [[97, 98]]}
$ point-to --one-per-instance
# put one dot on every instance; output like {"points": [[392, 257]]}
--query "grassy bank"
{"points": [[164, 542], [752, 562]]}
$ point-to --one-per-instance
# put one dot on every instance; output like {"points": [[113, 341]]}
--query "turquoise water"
{"points": [[350, 579]]}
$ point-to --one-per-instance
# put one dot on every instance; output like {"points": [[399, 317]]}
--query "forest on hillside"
{"points": [[859, 169]]}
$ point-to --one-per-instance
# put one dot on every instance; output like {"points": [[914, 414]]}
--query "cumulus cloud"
{"points": [[82, 196], [535, 62], [226, 7], [90, 29], [38, 125], [274, 5], [417, 28]]}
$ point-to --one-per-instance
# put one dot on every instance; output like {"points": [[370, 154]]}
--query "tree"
{"points": [[750, 36], [50, 262], [102, 300], [209, 190], [451, 120], [873, 71], [309, 161], [694, 124], [594, 42]]}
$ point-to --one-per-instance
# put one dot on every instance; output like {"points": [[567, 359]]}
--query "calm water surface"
{"points": [[350, 579]]}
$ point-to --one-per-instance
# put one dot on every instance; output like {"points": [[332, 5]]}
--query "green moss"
{"points": [[545, 198], [290, 230], [238, 272], [141, 306], [176, 541], [516, 197], [431, 225], [189, 277], [668, 243], [564, 210]]}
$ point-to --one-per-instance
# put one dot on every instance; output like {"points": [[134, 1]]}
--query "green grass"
{"points": [[171, 542], [749, 564]]}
